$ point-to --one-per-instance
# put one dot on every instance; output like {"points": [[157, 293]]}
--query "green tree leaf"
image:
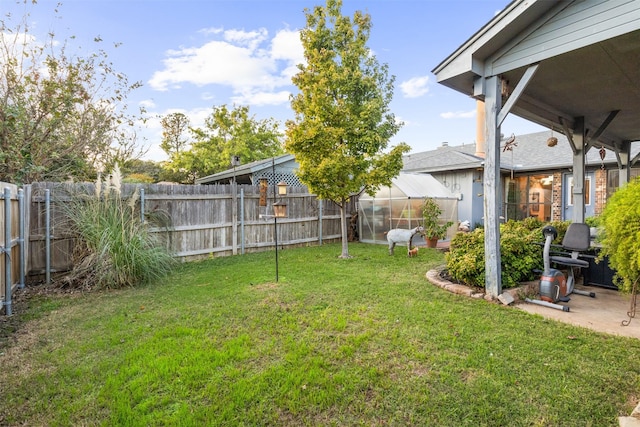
{"points": [[342, 124], [226, 133]]}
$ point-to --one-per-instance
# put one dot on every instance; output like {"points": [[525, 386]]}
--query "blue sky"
{"points": [[192, 55]]}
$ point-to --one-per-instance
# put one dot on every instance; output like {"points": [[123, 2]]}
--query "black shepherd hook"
{"points": [[632, 307]]}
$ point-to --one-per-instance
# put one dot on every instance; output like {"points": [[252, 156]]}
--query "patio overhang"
{"points": [[572, 66]]}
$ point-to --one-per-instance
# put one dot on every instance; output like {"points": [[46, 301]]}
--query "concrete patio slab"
{"points": [[604, 313]]}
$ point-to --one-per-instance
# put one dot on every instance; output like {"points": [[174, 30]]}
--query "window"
{"points": [[587, 191], [613, 179], [529, 196]]}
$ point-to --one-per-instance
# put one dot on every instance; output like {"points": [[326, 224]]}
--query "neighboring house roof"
{"points": [[245, 174], [530, 153], [442, 159]]}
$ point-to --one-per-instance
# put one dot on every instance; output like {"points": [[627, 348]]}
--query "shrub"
{"points": [[620, 221], [519, 253], [139, 178], [114, 248], [592, 221]]}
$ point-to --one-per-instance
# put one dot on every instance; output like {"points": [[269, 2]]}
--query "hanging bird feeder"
{"points": [[552, 141]]}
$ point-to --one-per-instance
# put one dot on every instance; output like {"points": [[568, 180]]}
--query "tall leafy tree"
{"points": [[61, 115], [226, 133], [342, 124], [174, 129]]}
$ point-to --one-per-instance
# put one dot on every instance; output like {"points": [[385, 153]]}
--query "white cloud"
{"points": [[256, 68], [147, 103], [286, 45], [458, 114], [212, 30], [415, 87], [262, 98], [250, 39], [403, 122]]}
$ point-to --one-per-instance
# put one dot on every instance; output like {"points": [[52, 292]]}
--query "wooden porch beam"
{"points": [[517, 92], [634, 160], [569, 134], [594, 138]]}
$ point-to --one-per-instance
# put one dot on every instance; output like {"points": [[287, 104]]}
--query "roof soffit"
{"points": [[588, 56], [564, 28], [470, 57]]}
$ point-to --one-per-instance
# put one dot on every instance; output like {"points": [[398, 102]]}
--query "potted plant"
{"points": [[434, 229], [594, 223]]}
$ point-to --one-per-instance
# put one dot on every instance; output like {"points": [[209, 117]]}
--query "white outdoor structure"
{"points": [[399, 206], [572, 66]]}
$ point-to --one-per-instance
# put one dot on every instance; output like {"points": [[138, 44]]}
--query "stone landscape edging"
{"points": [[435, 278]]}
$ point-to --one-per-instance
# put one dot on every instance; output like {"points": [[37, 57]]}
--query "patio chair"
{"points": [[576, 240]]}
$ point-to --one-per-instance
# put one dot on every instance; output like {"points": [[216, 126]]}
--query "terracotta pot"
{"points": [[432, 242]]}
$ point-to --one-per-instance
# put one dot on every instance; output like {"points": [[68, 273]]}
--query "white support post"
{"points": [[578, 170], [492, 186], [624, 164]]}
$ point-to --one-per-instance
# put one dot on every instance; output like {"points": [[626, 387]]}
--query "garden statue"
{"points": [[401, 235]]}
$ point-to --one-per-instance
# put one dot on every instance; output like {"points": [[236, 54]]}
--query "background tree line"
{"points": [[64, 116]]}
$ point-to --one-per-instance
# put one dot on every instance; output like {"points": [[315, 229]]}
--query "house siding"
{"points": [[580, 24]]}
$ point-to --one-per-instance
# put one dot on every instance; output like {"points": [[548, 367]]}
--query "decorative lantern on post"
{"points": [[280, 208], [282, 188]]}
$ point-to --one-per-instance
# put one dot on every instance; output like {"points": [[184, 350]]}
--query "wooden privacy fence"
{"points": [[202, 220]]}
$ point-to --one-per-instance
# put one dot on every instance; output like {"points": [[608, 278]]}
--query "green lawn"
{"points": [[364, 341]]}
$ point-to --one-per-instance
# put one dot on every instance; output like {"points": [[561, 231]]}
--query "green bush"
{"points": [[519, 253], [620, 222], [113, 248], [592, 221]]}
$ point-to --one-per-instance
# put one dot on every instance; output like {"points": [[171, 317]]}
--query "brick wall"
{"points": [[556, 202], [600, 191]]}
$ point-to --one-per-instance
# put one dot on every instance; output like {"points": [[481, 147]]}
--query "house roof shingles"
{"points": [[530, 153]]}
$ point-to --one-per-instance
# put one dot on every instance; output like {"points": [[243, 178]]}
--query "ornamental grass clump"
{"points": [[114, 247]]}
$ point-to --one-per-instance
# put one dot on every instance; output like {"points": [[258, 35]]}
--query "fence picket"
{"points": [[204, 220]]}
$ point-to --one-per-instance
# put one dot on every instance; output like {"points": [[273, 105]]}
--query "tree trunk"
{"points": [[344, 229]]}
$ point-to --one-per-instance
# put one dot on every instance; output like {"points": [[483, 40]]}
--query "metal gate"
{"points": [[12, 244]]}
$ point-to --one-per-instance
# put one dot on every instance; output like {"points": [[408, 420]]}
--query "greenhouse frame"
{"points": [[399, 206]]}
